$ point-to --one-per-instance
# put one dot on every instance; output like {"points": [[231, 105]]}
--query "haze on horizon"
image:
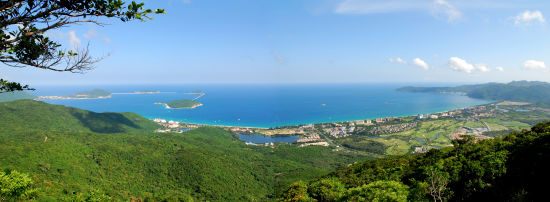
{"points": [[307, 41]]}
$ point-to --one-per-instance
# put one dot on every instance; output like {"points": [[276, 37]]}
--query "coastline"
{"points": [[69, 98], [338, 121], [55, 97]]}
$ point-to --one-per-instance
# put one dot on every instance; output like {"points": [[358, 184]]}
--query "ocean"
{"points": [[265, 105]]}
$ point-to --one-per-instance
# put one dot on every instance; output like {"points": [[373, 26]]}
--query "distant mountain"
{"points": [[16, 95], [535, 92]]}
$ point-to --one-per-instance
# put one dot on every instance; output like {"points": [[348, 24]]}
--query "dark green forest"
{"points": [[73, 154], [535, 92], [509, 168]]}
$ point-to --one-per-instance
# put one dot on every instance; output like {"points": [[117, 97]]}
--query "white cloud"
{"points": [[420, 63], [398, 60], [449, 11], [416, 62], [527, 17], [74, 41], [461, 65], [534, 65], [482, 68], [499, 68]]}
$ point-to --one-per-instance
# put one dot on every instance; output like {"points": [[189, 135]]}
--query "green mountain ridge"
{"points": [[36, 115], [535, 92]]}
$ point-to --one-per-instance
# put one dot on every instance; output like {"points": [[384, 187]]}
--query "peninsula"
{"points": [[535, 92], [181, 104]]}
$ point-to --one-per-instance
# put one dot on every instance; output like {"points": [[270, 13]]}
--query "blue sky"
{"points": [[314, 41]]}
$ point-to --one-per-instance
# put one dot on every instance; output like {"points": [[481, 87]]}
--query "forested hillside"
{"points": [[535, 92], [509, 168], [73, 154], [23, 115]]}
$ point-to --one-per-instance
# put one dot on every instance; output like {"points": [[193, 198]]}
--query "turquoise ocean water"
{"points": [[266, 105]]}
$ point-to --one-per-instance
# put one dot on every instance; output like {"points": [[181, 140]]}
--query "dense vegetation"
{"points": [[513, 167], [522, 91], [175, 104], [73, 154]]}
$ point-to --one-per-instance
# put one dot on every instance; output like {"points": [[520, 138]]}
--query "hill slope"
{"points": [[33, 115], [75, 154], [511, 168], [522, 91]]}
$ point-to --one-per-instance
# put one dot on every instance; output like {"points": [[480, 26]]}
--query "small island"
{"points": [[196, 92], [147, 91], [91, 94], [181, 104]]}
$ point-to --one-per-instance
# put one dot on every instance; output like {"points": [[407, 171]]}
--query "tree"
{"points": [[379, 191], [297, 192], [15, 185], [327, 189], [437, 182], [23, 24]]}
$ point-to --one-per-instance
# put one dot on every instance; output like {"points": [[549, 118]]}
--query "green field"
{"points": [[435, 133]]}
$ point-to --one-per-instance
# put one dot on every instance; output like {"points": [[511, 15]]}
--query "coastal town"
{"points": [[411, 134]]}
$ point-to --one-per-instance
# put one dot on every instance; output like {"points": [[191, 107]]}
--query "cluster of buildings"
{"points": [[173, 126], [310, 137], [361, 122], [394, 128], [340, 131], [167, 124], [383, 120], [240, 130], [473, 112]]}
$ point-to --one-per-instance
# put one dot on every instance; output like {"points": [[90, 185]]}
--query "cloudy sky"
{"points": [[315, 41]]}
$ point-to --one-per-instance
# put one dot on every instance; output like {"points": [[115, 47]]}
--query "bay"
{"points": [[266, 105]]}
